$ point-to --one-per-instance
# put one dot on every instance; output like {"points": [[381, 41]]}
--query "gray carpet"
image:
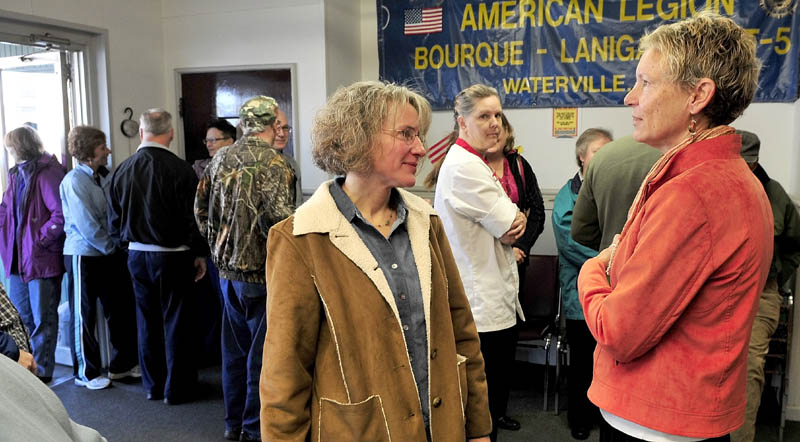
{"points": [[122, 413]]}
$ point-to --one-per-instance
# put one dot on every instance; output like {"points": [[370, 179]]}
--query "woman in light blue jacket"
{"points": [[96, 267], [581, 413]]}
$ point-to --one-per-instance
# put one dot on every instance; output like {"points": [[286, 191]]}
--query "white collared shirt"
{"points": [[151, 144], [475, 212]]}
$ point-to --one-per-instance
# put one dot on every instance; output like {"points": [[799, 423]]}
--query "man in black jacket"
{"points": [[151, 207]]}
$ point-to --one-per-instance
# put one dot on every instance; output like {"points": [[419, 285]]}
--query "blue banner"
{"points": [[561, 53]]}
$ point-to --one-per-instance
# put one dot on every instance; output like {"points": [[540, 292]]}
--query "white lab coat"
{"points": [[475, 212]]}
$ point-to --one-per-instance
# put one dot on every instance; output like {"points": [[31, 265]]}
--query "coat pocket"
{"points": [[463, 389], [363, 421]]}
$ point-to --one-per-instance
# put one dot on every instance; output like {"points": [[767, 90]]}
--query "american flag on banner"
{"points": [[438, 150], [423, 21]]}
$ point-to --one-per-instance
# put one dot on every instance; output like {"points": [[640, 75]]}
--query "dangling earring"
{"points": [[692, 127]]}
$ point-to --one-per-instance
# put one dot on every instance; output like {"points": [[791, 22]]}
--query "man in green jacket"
{"points": [[785, 259], [608, 189]]}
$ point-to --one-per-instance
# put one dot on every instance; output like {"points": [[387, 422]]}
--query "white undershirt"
{"points": [[635, 430], [142, 247]]}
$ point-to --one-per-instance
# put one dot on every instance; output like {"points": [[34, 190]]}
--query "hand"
{"points": [[519, 255], [26, 361], [200, 268], [481, 439], [516, 230], [607, 254]]}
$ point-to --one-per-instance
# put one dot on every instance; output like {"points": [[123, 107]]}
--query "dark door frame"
{"points": [[180, 137]]}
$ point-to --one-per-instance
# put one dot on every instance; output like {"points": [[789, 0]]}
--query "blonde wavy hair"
{"points": [[710, 46], [345, 129]]}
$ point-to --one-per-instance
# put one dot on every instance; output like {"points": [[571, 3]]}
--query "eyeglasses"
{"points": [[409, 135], [214, 140], [285, 128]]}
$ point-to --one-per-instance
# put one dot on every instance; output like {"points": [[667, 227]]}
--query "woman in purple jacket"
{"points": [[31, 242]]}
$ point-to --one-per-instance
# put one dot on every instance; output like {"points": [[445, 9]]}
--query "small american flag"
{"points": [[423, 21], [439, 150]]}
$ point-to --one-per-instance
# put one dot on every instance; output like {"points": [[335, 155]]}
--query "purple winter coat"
{"points": [[40, 238]]}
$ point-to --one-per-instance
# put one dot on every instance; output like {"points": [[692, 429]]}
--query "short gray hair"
{"points": [[156, 121], [588, 137], [708, 45]]}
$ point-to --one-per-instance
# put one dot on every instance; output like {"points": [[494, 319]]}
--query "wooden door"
{"points": [[208, 95]]}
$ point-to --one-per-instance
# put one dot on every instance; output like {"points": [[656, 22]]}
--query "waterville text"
{"points": [[561, 83]]}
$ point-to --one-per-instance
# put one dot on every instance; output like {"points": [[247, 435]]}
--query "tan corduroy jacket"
{"points": [[336, 366]]}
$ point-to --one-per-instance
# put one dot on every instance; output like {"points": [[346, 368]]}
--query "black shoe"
{"points": [[249, 438], [197, 392], [581, 432], [232, 434], [45, 379], [176, 400], [507, 423]]}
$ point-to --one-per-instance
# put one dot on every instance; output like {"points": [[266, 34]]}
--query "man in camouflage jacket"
{"points": [[247, 188]]}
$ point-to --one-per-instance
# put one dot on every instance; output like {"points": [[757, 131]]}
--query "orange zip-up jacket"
{"points": [[674, 323]]}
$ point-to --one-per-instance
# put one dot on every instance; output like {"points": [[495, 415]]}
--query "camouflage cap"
{"points": [[257, 113]]}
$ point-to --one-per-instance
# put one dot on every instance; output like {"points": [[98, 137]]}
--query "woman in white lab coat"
{"points": [[482, 224]]}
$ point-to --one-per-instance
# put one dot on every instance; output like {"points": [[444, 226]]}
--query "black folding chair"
{"points": [[540, 298]]}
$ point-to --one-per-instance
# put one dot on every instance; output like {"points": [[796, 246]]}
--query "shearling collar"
{"points": [[320, 215]]}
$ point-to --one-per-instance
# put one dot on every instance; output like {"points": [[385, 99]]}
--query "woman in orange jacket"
{"points": [[672, 301]]}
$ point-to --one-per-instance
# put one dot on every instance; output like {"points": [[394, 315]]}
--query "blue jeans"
{"points": [[37, 303], [244, 325]]}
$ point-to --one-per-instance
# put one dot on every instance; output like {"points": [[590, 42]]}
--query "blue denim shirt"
{"points": [[85, 208], [396, 260]]}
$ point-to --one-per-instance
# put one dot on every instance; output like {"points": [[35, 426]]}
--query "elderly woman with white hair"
{"points": [[370, 337]]}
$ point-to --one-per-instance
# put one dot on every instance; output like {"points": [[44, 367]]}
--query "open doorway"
{"points": [[207, 94], [42, 86], [220, 94], [37, 89]]}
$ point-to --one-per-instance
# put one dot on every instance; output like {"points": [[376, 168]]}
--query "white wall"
{"points": [[134, 51], [236, 33], [342, 43]]}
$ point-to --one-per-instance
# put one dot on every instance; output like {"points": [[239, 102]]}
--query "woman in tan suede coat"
{"points": [[370, 336]]}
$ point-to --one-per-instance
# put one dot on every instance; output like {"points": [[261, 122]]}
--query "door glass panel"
{"points": [[32, 94]]}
